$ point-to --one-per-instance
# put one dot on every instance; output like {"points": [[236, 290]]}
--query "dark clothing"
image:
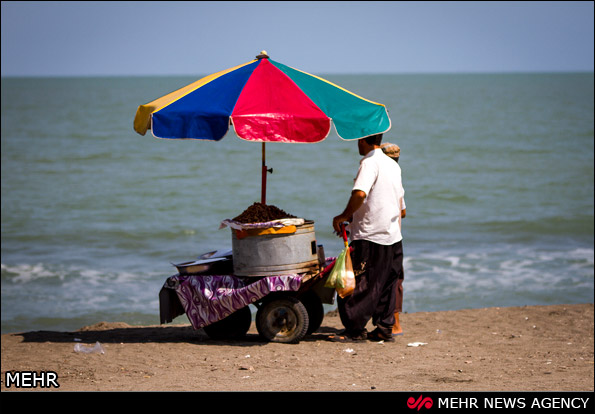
{"points": [[377, 268], [399, 295]]}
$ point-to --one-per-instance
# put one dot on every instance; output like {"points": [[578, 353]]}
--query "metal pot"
{"points": [[276, 254]]}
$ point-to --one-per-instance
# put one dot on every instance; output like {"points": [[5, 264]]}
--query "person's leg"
{"points": [[357, 309], [398, 267], [397, 329], [384, 313], [386, 316]]}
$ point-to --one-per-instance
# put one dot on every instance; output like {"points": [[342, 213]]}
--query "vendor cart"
{"points": [[262, 101], [289, 305]]}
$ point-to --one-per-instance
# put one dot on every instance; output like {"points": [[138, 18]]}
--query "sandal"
{"points": [[378, 336], [346, 337]]}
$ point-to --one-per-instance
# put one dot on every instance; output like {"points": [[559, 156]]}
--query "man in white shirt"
{"points": [[374, 213]]}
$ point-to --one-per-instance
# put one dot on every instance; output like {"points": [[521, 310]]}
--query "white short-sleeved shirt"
{"points": [[379, 218]]}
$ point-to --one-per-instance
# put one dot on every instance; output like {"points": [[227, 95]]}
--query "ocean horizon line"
{"points": [[323, 74]]}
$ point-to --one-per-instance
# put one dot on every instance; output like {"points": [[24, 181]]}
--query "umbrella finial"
{"points": [[263, 55]]}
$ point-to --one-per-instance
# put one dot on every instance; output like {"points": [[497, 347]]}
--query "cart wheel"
{"points": [[282, 320], [235, 326], [315, 310]]}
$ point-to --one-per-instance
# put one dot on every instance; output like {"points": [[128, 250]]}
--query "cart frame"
{"points": [[281, 316]]}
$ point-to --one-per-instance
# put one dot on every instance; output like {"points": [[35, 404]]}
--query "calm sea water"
{"points": [[498, 173]]}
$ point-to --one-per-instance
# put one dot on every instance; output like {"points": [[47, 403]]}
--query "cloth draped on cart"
{"points": [[208, 299]]}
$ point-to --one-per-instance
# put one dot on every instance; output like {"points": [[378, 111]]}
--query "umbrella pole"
{"points": [[263, 190]]}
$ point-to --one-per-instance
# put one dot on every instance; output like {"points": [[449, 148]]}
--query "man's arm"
{"points": [[403, 210], [355, 202]]}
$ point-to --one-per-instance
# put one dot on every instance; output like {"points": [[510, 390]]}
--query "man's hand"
{"points": [[337, 221]]}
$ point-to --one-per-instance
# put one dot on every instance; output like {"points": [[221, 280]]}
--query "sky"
{"points": [[189, 38]]}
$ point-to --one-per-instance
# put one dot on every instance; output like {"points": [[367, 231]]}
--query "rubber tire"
{"points": [[315, 310], [235, 326], [282, 320]]}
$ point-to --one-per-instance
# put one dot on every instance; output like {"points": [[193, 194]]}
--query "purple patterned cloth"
{"points": [[208, 299]]}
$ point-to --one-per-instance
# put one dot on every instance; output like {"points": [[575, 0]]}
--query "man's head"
{"points": [[367, 144]]}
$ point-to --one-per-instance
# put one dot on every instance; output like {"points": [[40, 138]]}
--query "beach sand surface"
{"points": [[530, 348]]}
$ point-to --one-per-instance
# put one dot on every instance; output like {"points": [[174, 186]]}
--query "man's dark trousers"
{"points": [[374, 294]]}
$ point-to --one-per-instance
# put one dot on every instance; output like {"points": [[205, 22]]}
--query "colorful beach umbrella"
{"points": [[264, 101]]}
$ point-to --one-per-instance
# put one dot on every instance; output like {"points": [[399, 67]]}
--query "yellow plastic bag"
{"points": [[335, 279], [342, 277], [348, 276]]}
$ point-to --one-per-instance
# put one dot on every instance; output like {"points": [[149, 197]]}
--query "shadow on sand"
{"points": [[116, 333]]}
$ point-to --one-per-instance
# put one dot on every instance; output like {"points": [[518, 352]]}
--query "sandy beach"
{"points": [[532, 348]]}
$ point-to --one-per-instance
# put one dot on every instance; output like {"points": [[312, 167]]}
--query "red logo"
{"points": [[420, 403]]}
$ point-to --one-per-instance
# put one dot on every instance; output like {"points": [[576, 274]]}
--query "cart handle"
{"points": [[343, 226]]}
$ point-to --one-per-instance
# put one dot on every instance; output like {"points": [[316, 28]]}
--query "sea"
{"points": [[497, 169]]}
